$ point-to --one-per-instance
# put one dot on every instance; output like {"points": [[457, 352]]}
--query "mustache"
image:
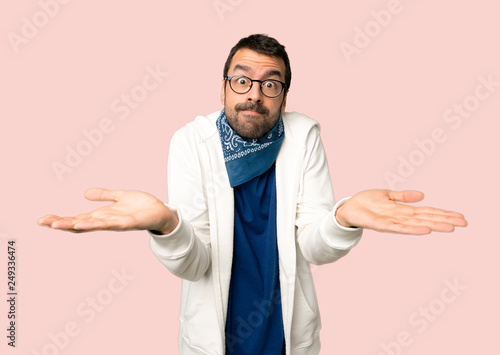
{"points": [[251, 106]]}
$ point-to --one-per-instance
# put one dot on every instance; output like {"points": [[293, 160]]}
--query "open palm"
{"points": [[380, 210], [131, 210]]}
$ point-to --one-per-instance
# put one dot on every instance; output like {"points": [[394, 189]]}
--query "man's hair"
{"points": [[262, 44]]}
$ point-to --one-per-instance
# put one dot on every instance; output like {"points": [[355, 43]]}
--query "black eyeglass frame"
{"points": [[283, 85]]}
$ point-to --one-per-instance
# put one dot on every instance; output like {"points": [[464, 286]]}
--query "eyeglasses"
{"points": [[241, 84]]}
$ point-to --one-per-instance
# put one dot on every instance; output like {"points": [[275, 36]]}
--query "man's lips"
{"points": [[251, 109], [251, 112]]}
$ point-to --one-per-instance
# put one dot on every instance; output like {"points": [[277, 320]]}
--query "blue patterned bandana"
{"points": [[248, 158]]}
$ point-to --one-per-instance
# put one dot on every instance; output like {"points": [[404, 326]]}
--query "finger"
{"points": [[72, 224], [57, 222], [108, 222], [98, 194], [73, 230], [402, 211], [412, 226], [93, 225], [406, 195], [415, 196], [120, 223], [64, 223], [47, 220], [435, 226], [395, 226], [408, 229], [438, 211], [431, 213], [444, 218]]}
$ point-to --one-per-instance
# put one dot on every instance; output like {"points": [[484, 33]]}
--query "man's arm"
{"points": [[320, 238], [326, 233], [186, 252], [180, 235]]}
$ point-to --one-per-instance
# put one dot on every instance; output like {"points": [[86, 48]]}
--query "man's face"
{"points": [[253, 114]]}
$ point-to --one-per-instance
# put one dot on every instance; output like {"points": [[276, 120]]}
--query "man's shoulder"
{"points": [[298, 119], [298, 127], [201, 127]]}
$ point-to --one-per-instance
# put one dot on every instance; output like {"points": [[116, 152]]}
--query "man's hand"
{"points": [[131, 210], [379, 210]]}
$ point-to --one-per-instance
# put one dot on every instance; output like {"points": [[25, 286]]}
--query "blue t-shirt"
{"points": [[254, 324]]}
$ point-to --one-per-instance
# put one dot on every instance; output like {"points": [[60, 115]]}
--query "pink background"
{"points": [[372, 106]]}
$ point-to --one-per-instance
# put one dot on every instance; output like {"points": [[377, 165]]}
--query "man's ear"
{"points": [[223, 92], [283, 105]]}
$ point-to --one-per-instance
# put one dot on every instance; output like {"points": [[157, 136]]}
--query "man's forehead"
{"points": [[253, 62]]}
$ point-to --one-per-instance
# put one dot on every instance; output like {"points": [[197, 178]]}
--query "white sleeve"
{"points": [[320, 237], [186, 251]]}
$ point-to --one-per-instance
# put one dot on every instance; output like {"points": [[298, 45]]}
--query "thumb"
{"points": [[99, 194], [406, 196]]}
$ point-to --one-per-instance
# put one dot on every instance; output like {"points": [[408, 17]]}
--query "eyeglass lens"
{"points": [[241, 85]]}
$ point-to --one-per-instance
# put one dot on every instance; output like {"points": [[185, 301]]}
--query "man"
{"points": [[250, 207]]}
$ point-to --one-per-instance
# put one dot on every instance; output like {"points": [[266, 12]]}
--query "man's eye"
{"points": [[270, 84], [242, 81]]}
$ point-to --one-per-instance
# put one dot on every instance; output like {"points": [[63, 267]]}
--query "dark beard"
{"points": [[255, 131]]}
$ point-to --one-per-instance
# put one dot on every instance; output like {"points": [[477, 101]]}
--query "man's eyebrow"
{"points": [[271, 72], [241, 67]]}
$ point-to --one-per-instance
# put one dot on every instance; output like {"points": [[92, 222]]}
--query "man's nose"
{"points": [[255, 94]]}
